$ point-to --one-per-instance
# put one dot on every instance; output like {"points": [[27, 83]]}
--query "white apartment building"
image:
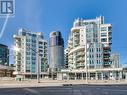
{"points": [[89, 52], [89, 44], [32, 51]]}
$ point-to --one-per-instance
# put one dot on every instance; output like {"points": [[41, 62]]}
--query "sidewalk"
{"points": [[44, 83]]}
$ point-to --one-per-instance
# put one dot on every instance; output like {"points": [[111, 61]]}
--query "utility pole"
{"points": [[86, 63], [38, 69]]}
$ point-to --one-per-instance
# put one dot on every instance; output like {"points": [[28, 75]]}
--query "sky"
{"points": [[58, 15]]}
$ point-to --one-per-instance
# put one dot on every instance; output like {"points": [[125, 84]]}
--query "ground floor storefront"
{"points": [[91, 74], [95, 74], [6, 73], [27, 76]]}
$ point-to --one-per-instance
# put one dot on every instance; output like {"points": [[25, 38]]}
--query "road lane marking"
{"points": [[32, 91]]}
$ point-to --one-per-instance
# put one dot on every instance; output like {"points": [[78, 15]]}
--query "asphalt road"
{"points": [[68, 90]]}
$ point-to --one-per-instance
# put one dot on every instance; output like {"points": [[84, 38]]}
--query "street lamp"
{"points": [[87, 47], [38, 69]]}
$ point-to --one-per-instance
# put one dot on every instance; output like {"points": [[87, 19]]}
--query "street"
{"points": [[68, 90]]}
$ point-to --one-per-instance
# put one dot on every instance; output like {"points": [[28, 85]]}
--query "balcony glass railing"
{"points": [[80, 53], [80, 59]]}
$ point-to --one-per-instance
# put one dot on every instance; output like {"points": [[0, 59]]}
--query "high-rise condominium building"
{"points": [[4, 55], [32, 51], [89, 44], [56, 51]]}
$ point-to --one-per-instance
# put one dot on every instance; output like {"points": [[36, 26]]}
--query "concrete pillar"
{"points": [[108, 75], [114, 75], [126, 75], [52, 76], [96, 76], [59, 76], [86, 76], [62, 75], [24, 77], [82, 76], [65, 76], [120, 75], [68, 76], [101, 75], [75, 76]]}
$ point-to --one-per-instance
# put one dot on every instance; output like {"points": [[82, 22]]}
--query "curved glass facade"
{"points": [[56, 51], [56, 39]]}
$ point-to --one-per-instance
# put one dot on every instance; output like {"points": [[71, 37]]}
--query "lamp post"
{"points": [[38, 69], [86, 65]]}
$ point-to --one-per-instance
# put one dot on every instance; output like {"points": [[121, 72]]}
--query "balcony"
{"points": [[80, 60], [80, 65], [76, 34], [107, 48], [70, 42], [70, 61], [106, 59], [80, 53], [70, 58], [106, 54], [76, 40], [110, 43]]}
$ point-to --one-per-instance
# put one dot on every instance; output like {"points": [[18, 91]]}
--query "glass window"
{"points": [[103, 34], [103, 28], [109, 28], [104, 40]]}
